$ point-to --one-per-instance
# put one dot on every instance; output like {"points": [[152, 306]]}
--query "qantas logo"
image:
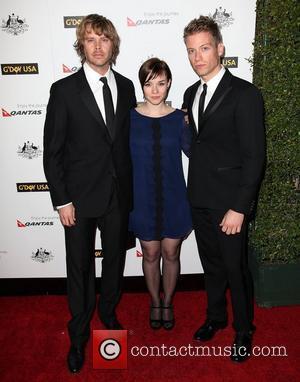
{"points": [[34, 224], [131, 23], [5, 113], [14, 113], [67, 69]]}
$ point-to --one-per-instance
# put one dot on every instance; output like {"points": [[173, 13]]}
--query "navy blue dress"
{"points": [[161, 208]]}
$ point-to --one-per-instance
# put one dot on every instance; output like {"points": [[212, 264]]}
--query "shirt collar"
{"points": [[214, 82], [93, 77]]}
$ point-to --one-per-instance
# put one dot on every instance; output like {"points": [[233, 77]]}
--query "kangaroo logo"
{"points": [[222, 17], [14, 25]]}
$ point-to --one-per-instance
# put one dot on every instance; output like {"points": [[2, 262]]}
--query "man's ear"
{"points": [[221, 50]]}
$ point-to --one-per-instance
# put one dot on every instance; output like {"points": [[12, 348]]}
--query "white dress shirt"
{"points": [[93, 79], [212, 85]]}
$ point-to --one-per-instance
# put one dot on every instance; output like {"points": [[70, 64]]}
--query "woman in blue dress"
{"points": [[161, 215]]}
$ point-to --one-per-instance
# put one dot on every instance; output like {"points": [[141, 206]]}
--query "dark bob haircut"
{"points": [[152, 68]]}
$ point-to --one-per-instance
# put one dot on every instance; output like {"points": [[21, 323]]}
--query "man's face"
{"points": [[204, 54], [98, 51]]}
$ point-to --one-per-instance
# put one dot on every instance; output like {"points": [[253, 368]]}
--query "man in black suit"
{"points": [[88, 168], [225, 170]]}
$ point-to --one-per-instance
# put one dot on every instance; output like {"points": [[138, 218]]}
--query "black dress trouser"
{"points": [[80, 256], [224, 261]]}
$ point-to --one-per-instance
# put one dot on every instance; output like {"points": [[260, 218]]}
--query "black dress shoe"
{"points": [[241, 348], [75, 359], [209, 329], [113, 324]]}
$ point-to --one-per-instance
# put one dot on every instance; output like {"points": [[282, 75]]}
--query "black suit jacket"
{"points": [[228, 154], [81, 159]]}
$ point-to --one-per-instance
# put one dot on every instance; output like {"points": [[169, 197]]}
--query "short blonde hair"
{"points": [[203, 24]]}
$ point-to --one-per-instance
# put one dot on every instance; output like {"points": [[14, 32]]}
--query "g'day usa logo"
{"points": [[222, 17], [42, 255], [32, 187], [13, 69], [152, 18], [29, 150], [230, 62], [14, 25], [72, 21]]}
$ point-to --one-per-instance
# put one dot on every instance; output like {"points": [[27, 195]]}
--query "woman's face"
{"points": [[156, 89]]}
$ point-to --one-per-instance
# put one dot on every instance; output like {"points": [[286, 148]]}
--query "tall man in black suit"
{"points": [[225, 171], [88, 167]]}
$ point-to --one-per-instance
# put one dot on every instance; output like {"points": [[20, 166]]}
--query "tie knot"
{"points": [[104, 80], [204, 88]]}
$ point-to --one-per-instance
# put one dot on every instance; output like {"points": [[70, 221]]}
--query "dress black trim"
{"points": [[158, 179]]}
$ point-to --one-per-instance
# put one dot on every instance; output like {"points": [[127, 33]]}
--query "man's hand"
{"points": [[67, 215], [232, 222], [186, 117]]}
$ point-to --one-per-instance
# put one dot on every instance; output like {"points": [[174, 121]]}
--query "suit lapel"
{"points": [[220, 93], [88, 99], [190, 106], [121, 105]]}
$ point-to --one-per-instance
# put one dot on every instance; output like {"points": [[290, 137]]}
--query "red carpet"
{"points": [[34, 343]]}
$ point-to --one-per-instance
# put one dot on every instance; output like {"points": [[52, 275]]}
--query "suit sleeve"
{"points": [[251, 133], [186, 138], [132, 91], [185, 99], [55, 134]]}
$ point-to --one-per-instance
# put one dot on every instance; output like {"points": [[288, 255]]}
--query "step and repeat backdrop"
{"points": [[36, 39]]}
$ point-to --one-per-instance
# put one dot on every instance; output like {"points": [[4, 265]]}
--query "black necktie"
{"points": [[201, 105], [109, 106]]}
